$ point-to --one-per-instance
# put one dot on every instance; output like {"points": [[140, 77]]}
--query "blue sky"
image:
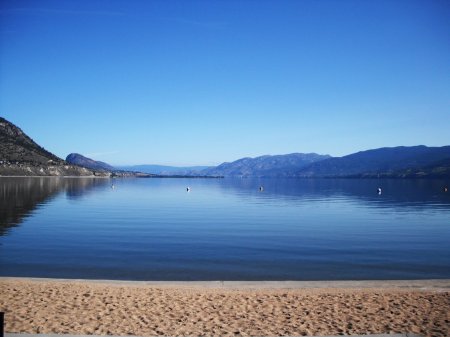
{"points": [[203, 82]]}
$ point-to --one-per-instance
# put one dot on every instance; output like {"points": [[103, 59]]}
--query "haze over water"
{"points": [[224, 229]]}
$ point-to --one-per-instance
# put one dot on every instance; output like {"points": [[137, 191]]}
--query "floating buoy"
{"points": [[188, 189], [379, 190], [261, 188]]}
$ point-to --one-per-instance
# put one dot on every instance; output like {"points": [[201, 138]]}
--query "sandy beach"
{"points": [[230, 308]]}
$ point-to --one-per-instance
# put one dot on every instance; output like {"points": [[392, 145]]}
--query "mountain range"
{"points": [[266, 166], [20, 155], [401, 161], [391, 162]]}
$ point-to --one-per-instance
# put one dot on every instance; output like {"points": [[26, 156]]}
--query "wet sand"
{"points": [[225, 308]]}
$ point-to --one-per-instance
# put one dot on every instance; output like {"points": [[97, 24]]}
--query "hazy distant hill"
{"points": [[20, 155], [80, 160], [266, 166], [99, 166], [164, 170], [392, 162]]}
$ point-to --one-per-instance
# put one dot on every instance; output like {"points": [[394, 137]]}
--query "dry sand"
{"points": [[206, 309]]}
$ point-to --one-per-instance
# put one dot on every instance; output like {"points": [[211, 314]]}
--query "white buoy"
{"points": [[188, 189], [379, 190], [261, 188]]}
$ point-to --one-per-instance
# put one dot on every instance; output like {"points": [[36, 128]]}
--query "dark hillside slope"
{"points": [[440, 169], [21, 156], [16, 146], [383, 161]]}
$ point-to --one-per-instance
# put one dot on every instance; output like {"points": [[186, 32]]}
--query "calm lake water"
{"points": [[224, 229]]}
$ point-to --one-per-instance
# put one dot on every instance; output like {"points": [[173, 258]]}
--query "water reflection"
{"points": [[228, 229], [396, 193], [19, 197]]}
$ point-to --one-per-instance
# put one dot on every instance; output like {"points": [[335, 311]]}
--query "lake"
{"points": [[224, 229]]}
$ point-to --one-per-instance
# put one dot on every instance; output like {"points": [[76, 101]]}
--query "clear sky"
{"points": [[203, 82]]}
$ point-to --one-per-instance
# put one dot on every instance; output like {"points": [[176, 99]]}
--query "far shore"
{"points": [[225, 308]]}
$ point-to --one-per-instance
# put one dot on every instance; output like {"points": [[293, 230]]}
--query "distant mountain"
{"points": [[20, 155], [392, 162], [99, 166], [164, 170], [80, 160], [266, 166]]}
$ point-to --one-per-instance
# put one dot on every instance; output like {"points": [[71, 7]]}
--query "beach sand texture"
{"points": [[75, 307]]}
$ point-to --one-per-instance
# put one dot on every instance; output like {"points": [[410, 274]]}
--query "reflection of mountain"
{"points": [[78, 187], [21, 196], [395, 193]]}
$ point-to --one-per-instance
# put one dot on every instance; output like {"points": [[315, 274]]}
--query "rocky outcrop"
{"points": [[36, 169]]}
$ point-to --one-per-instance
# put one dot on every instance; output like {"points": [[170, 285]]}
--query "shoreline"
{"points": [[412, 285], [229, 308], [90, 176], [47, 176], [426, 178]]}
